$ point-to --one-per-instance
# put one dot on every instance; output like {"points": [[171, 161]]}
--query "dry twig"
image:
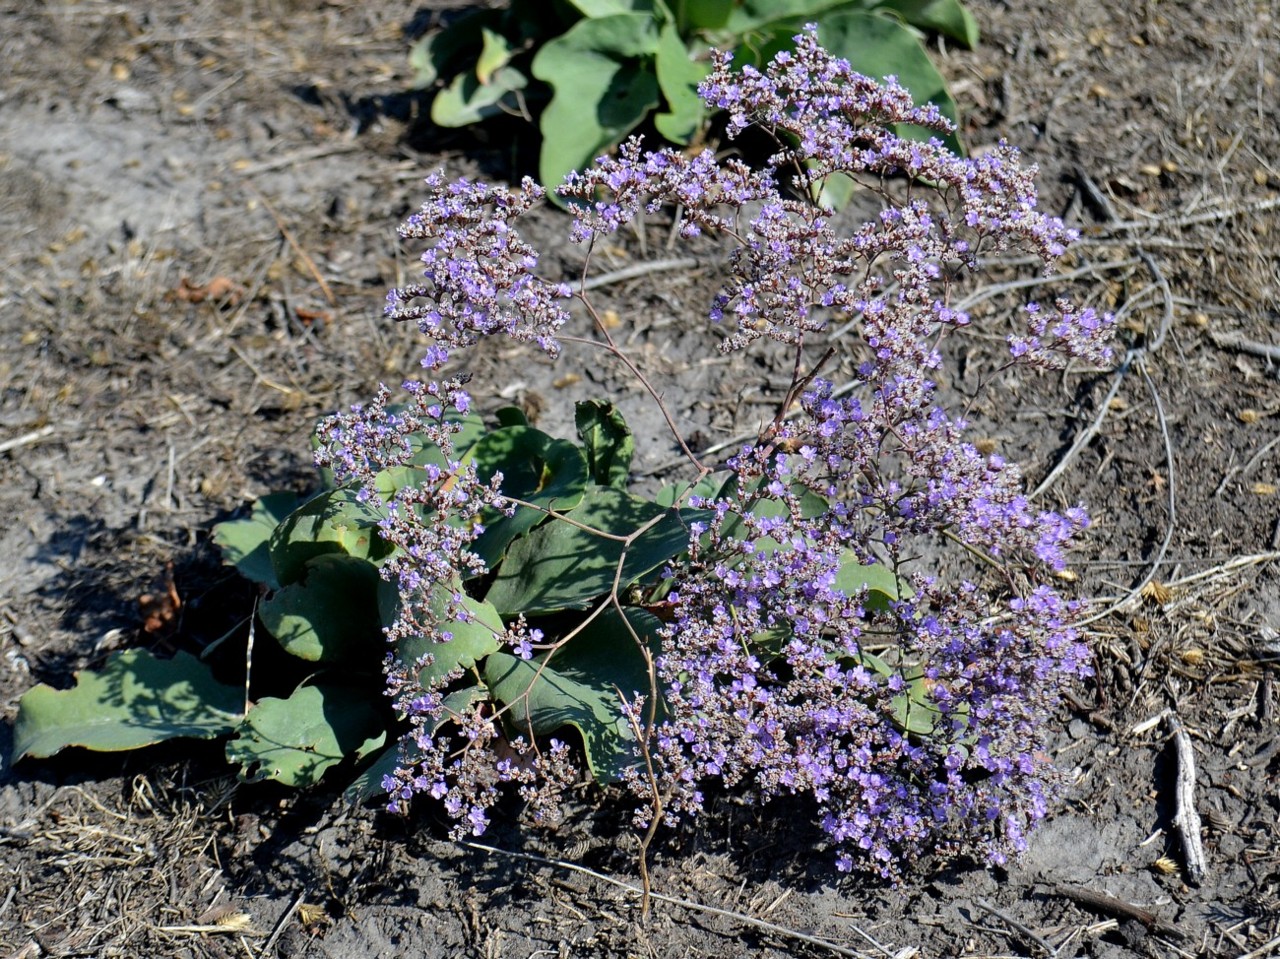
{"points": [[1017, 926], [1234, 341], [1111, 906], [637, 270], [1186, 819]]}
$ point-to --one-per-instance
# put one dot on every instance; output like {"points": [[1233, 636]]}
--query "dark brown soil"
{"points": [[151, 152]]}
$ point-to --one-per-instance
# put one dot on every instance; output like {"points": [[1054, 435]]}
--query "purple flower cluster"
{"points": [[432, 521], [479, 273], [765, 663], [914, 717], [765, 666]]}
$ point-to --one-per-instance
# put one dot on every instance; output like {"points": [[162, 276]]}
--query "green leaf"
{"points": [[704, 14], [330, 614], [751, 15], [467, 100], [836, 190], [495, 53], [293, 741], [405, 752], [678, 78], [542, 471], [333, 522], [245, 543], [425, 453], [876, 45], [562, 566], [511, 416], [710, 486], [603, 87], [135, 700], [472, 640], [914, 711], [882, 584], [758, 503], [440, 52], [579, 686], [948, 17], [608, 441], [608, 8]]}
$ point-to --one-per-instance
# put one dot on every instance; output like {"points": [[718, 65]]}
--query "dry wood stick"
{"points": [[1186, 819], [1234, 341], [671, 900], [1111, 906], [638, 270], [1017, 927]]}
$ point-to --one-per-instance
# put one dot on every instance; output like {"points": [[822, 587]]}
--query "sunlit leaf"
{"points": [[601, 73], [467, 100], [678, 78], [245, 543], [579, 686], [565, 565], [330, 613], [294, 740], [334, 522], [135, 700], [607, 440], [948, 17], [543, 472]]}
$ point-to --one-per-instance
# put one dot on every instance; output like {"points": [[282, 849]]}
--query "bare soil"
{"points": [[198, 205]]}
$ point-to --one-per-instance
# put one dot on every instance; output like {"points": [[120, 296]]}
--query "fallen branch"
{"points": [[1017, 926], [1111, 906], [1186, 819], [1234, 341]]}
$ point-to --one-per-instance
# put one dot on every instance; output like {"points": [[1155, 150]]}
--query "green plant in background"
{"points": [[594, 70]]}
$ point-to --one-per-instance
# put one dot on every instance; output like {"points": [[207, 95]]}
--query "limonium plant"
{"points": [[795, 645]]}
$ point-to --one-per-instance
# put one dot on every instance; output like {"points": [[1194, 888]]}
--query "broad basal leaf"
{"points": [[947, 17], [751, 15], [135, 700], [607, 8], [608, 442], [563, 565], [471, 641], [579, 686], [603, 84], [330, 614], [878, 46], [441, 52], [678, 78], [293, 741], [245, 543], [881, 583], [333, 522], [466, 100], [709, 487], [545, 473], [496, 52]]}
